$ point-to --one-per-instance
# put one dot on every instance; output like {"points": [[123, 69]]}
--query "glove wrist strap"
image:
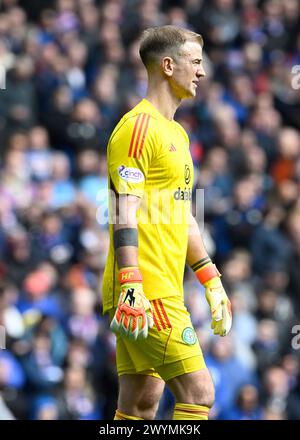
{"points": [[130, 275], [207, 272]]}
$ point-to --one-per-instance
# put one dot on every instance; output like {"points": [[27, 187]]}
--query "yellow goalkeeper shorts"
{"points": [[171, 348]]}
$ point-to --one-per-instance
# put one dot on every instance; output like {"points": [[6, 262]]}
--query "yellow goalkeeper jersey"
{"points": [[148, 156]]}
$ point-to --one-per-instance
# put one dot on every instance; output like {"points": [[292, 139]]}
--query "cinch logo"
{"points": [[183, 194], [133, 175]]}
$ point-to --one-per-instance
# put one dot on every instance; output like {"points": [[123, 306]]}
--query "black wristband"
{"points": [[125, 237], [200, 263]]}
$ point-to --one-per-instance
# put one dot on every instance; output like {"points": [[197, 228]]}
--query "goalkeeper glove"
{"points": [[220, 306], [133, 316]]}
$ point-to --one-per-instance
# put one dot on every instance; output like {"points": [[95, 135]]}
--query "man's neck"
{"points": [[163, 100]]}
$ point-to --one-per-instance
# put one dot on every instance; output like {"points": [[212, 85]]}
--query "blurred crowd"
{"points": [[72, 70]]}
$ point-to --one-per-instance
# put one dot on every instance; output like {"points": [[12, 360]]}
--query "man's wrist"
{"points": [[205, 270]]}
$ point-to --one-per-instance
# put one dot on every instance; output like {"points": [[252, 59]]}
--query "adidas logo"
{"points": [[172, 148]]}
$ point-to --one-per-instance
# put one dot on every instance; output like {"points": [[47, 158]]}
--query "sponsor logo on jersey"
{"points": [[187, 174], [183, 194], [133, 175], [172, 148]]}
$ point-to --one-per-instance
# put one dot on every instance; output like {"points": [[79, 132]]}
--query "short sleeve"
{"points": [[130, 152]]}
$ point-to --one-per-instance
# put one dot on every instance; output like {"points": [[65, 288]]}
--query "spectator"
{"points": [[247, 406], [77, 400], [224, 364]]}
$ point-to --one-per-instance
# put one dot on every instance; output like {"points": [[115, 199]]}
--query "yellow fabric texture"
{"points": [[121, 416], [148, 156], [186, 411]]}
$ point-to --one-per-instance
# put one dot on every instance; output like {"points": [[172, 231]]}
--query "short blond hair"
{"points": [[164, 40]]}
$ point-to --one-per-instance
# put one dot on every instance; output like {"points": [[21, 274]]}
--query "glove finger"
{"points": [[133, 329], [227, 318], [216, 313], [122, 331], [214, 299], [150, 319], [223, 332], [143, 333], [123, 326], [213, 324], [114, 326], [116, 321], [143, 327], [218, 328], [125, 323]]}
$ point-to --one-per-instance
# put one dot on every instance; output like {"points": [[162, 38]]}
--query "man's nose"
{"points": [[201, 72]]}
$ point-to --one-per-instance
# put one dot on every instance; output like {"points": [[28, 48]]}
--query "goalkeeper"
{"points": [[153, 235]]}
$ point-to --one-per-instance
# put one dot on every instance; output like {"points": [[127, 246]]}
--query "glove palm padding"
{"points": [[133, 316], [220, 306]]}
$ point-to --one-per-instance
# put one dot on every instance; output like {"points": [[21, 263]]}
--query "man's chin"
{"points": [[190, 94]]}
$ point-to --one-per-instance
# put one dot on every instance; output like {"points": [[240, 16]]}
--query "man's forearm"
{"points": [[126, 233], [196, 250], [127, 255], [197, 256], [209, 277], [133, 315]]}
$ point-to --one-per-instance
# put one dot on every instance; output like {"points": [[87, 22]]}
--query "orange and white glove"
{"points": [[133, 316], [220, 306]]}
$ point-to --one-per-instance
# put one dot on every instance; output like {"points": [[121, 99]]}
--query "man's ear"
{"points": [[167, 65]]}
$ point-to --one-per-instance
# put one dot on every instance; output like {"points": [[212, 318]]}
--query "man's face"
{"points": [[187, 70]]}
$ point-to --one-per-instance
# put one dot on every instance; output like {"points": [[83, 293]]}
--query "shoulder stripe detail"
{"points": [[138, 135], [133, 134], [143, 136]]}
